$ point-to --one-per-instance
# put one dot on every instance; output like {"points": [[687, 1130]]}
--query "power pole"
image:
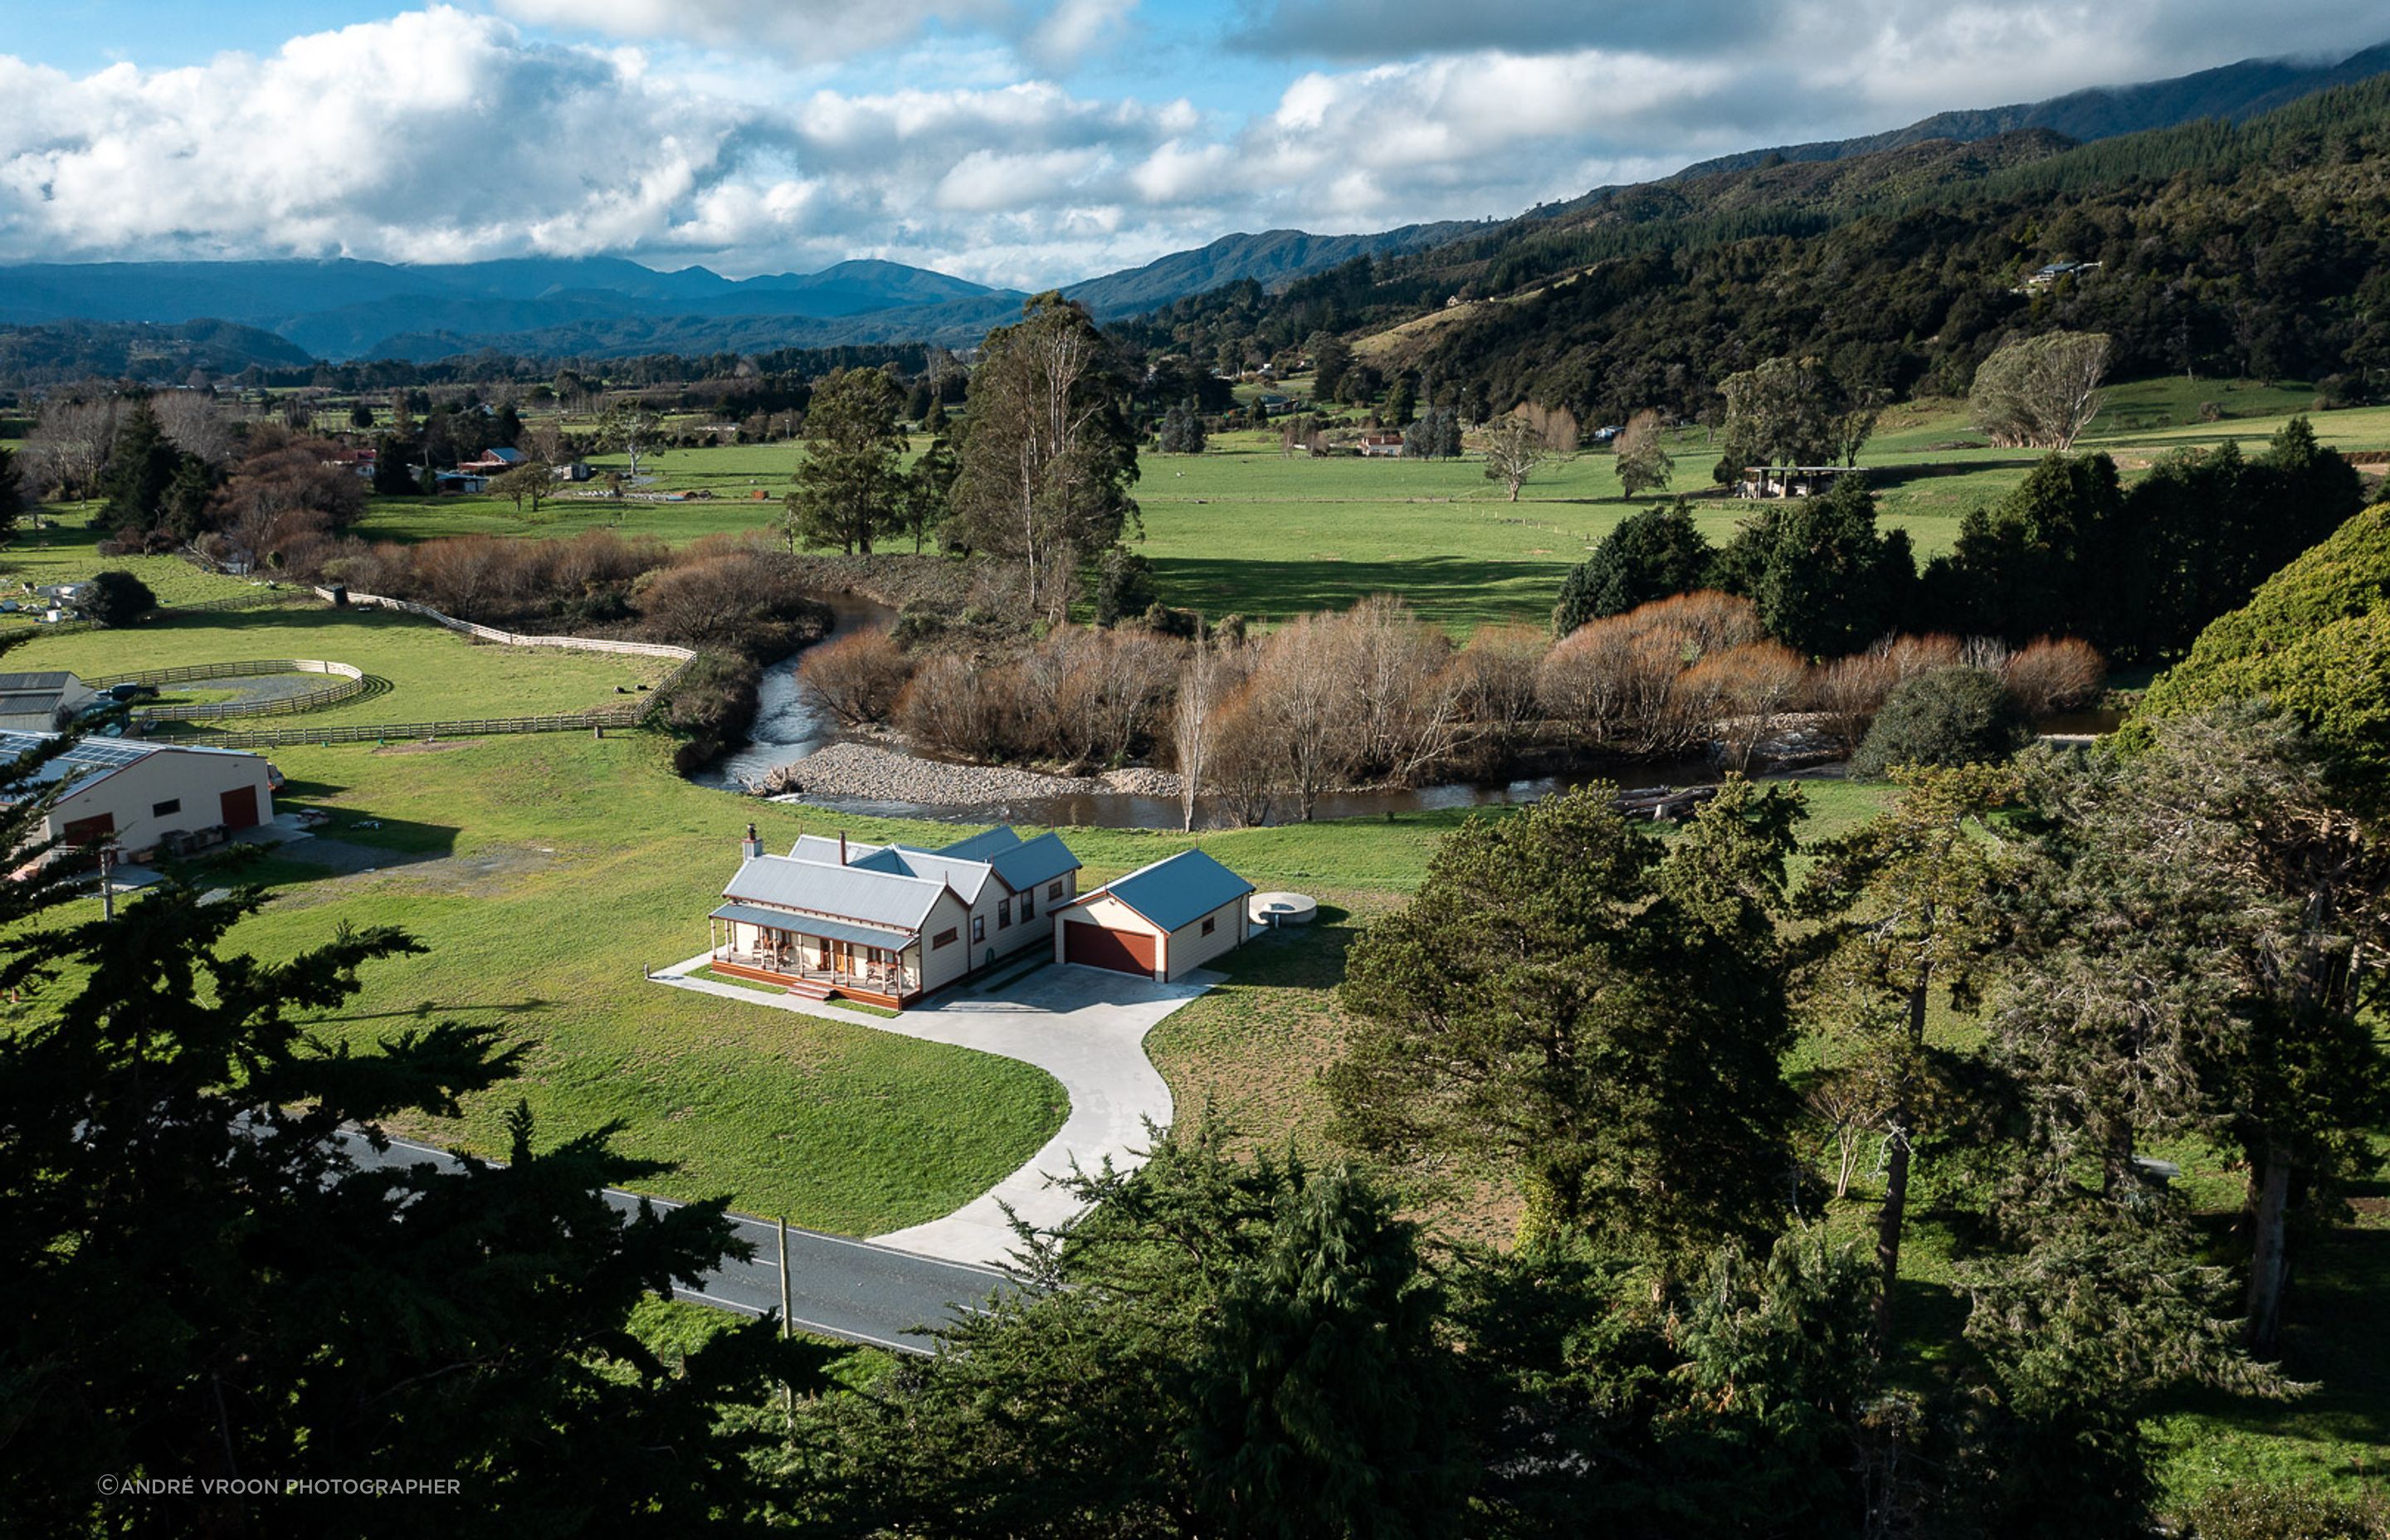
{"points": [[788, 1299], [106, 883]]}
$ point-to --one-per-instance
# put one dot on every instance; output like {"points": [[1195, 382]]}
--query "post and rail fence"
{"points": [[595, 719]]}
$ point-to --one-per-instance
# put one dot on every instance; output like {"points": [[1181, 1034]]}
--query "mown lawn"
{"points": [[544, 873]]}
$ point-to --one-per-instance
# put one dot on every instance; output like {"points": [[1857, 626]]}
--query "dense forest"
{"points": [[2257, 250]]}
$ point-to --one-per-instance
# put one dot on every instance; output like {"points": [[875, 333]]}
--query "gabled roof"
{"points": [[1019, 863], [1177, 890], [53, 680], [966, 878], [1034, 861], [95, 759], [825, 887], [979, 847]]}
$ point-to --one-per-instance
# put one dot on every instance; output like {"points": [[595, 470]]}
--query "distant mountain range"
{"points": [[2233, 92], [612, 307]]}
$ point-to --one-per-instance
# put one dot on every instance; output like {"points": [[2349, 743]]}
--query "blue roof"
{"points": [[1178, 890], [1034, 861], [982, 847]]}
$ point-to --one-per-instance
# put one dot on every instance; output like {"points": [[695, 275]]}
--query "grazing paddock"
{"points": [[421, 672]]}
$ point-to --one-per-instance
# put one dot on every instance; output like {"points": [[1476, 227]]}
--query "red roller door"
{"points": [[1122, 951], [240, 808]]}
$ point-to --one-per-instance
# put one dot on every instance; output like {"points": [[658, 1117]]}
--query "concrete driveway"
{"points": [[1084, 1026]]}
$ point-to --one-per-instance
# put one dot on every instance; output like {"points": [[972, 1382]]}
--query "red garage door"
{"points": [[240, 808], [1122, 951]]}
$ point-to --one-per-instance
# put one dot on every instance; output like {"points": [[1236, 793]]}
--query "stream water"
{"points": [[789, 724]]}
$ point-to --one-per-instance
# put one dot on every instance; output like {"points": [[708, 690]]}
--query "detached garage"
{"points": [[1159, 922]]}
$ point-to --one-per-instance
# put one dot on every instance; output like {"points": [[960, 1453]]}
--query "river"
{"points": [[789, 726]]}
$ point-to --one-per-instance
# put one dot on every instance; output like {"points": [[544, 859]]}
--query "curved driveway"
{"points": [[1084, 1026]]}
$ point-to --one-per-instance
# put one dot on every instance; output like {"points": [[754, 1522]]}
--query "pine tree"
{"points": [[1602, 1013], [1908, 899], [207, 1285], [141, 468]]}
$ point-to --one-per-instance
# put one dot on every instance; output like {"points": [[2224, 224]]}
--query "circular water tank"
{"points": [[1274, 909]]}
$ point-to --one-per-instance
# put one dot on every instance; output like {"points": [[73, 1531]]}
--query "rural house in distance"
{"points": [[887, 924]]}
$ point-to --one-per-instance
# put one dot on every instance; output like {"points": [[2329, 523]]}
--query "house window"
{"points": [[1054, 889], [1208, 922], [979, 928], [1003, 913], [1029, 905], [173, 804], [943, 938]]}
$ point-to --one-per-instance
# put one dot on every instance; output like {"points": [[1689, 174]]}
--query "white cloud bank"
{"points": [[443, 136]]}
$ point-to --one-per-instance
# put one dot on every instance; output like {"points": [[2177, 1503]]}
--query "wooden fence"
{"points": [[349, 681], [404, 732]]}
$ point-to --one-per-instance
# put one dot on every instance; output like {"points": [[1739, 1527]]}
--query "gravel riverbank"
{"points": [[871, 773]]}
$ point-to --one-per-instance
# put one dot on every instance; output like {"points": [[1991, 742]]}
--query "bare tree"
{"points": [[859, 677], [1513, 448], [1742, 691], [1211, 670], [2049, 675], [196, 424], [1848, 1104], [68, 448]]}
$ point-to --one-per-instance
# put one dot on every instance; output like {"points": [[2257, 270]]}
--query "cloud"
{"points": [[808, 27], [1971, 45], [445, 134], [1052, 33]]}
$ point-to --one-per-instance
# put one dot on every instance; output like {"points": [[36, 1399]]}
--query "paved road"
{"points": [[851, 1289]]}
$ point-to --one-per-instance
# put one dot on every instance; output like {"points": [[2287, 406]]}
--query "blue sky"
{"points": [[1020, 142]]}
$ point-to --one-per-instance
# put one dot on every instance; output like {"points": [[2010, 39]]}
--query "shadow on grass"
{"points": [[2335, 1340], [1446, 587], [1297, 956], [435, 1010], [1881, 477]]}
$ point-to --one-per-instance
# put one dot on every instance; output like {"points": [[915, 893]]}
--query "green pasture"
{"points": [[1243, 527], [421, 672]]}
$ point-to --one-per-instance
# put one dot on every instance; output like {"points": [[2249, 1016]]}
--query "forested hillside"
{"points": [[2258, 249]]}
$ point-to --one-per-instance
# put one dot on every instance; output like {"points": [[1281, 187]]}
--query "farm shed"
{"points": [[42, 702], [1161, 921], [135, 795]]}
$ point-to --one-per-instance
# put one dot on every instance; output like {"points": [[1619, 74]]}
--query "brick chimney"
{"points": [[752, 846]]}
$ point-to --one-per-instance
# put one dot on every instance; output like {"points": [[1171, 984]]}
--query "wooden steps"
{"points": [[809, 989]]}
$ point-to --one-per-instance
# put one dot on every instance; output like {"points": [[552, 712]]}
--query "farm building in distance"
{"points": [[138, 797], [887, 924], [42, 702], [1161, 921]]}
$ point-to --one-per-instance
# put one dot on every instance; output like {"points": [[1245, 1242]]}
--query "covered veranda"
{"points": [[813, 954]]}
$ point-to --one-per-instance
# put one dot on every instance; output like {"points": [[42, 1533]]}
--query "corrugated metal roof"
{"points": [[980, 847], [967, 877], [856, 893], [1178, 890], [1039, 860], [807, 925]]}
